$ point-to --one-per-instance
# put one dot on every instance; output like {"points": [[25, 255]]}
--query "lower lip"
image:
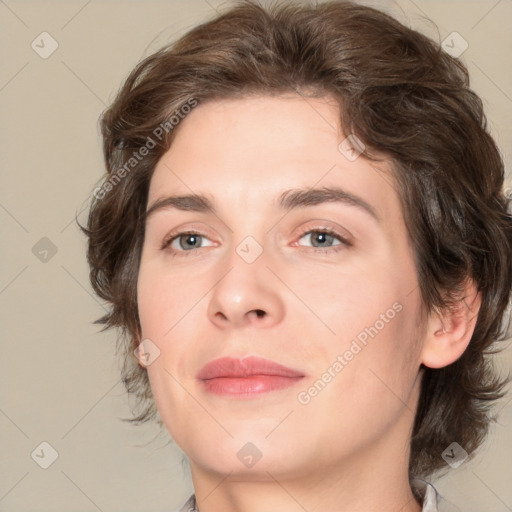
{"points": [[248, 386]]}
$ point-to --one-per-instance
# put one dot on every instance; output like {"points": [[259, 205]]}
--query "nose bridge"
{"points": [[247, 290]]}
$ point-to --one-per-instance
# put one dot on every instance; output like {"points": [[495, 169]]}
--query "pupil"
{"points": [[322, 235], [193, 237]]}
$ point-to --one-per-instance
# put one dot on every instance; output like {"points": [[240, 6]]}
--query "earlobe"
{"points": [[449, 332]]}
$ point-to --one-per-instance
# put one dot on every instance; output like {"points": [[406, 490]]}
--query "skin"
{"points": [[347, 449]]}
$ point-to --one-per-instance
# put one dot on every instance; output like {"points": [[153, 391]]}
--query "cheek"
{"points": [[168, 306], [369, 373], [373, 317], [350, 304], [375, 301], [160, 306], [162, 299]]}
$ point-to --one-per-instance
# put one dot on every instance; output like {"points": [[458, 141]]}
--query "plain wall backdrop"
{"points": [[60, 380]]}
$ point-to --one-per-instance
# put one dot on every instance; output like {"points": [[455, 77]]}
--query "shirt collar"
{"points": [[428, 494]]}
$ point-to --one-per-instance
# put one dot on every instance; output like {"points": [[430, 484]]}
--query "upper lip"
{"points": [[230, 367]]}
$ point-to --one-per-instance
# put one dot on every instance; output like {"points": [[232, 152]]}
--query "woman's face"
{"points": [[325, 288]]}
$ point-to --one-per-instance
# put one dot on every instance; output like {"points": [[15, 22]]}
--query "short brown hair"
{"points": [[403, 97]]}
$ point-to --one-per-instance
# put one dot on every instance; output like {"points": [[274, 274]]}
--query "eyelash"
{"points": [[330, 232], [344, 242]]}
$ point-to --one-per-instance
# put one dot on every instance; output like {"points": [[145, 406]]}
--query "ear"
{"points": [[449, 332]]}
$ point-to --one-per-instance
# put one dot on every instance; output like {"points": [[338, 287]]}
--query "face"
{"points": [[321, 284]]}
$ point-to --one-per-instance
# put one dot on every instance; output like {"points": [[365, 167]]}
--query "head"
{"points": [[413, 290]]}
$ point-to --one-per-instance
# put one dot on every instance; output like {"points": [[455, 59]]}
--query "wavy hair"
{"points": [[404, 98]]}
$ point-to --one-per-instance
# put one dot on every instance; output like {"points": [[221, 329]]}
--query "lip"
{"points": [[246, 377]]}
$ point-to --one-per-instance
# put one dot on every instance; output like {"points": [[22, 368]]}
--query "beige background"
{"points": [[60, 381]]}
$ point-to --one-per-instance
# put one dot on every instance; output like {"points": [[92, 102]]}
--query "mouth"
{"points": [[247, 377]]}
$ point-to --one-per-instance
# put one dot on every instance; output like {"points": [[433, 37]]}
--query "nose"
{"points": [[247, 294]]}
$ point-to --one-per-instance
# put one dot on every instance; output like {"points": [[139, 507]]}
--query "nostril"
{"points": [[260, 312]]}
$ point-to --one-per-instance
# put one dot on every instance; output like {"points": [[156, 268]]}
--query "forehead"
{"points": [[245, 152]]}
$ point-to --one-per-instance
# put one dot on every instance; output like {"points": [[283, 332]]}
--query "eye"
{"points": [[182, 242], [324, 239]]}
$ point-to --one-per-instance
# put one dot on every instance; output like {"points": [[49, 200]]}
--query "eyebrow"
{"points": [[288, 200]]}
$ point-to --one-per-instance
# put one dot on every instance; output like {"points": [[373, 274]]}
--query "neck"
{"points": [[375, 478]]}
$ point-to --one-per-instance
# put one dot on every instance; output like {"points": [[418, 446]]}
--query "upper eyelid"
{"points": [[168, 239], [344, 239]]}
